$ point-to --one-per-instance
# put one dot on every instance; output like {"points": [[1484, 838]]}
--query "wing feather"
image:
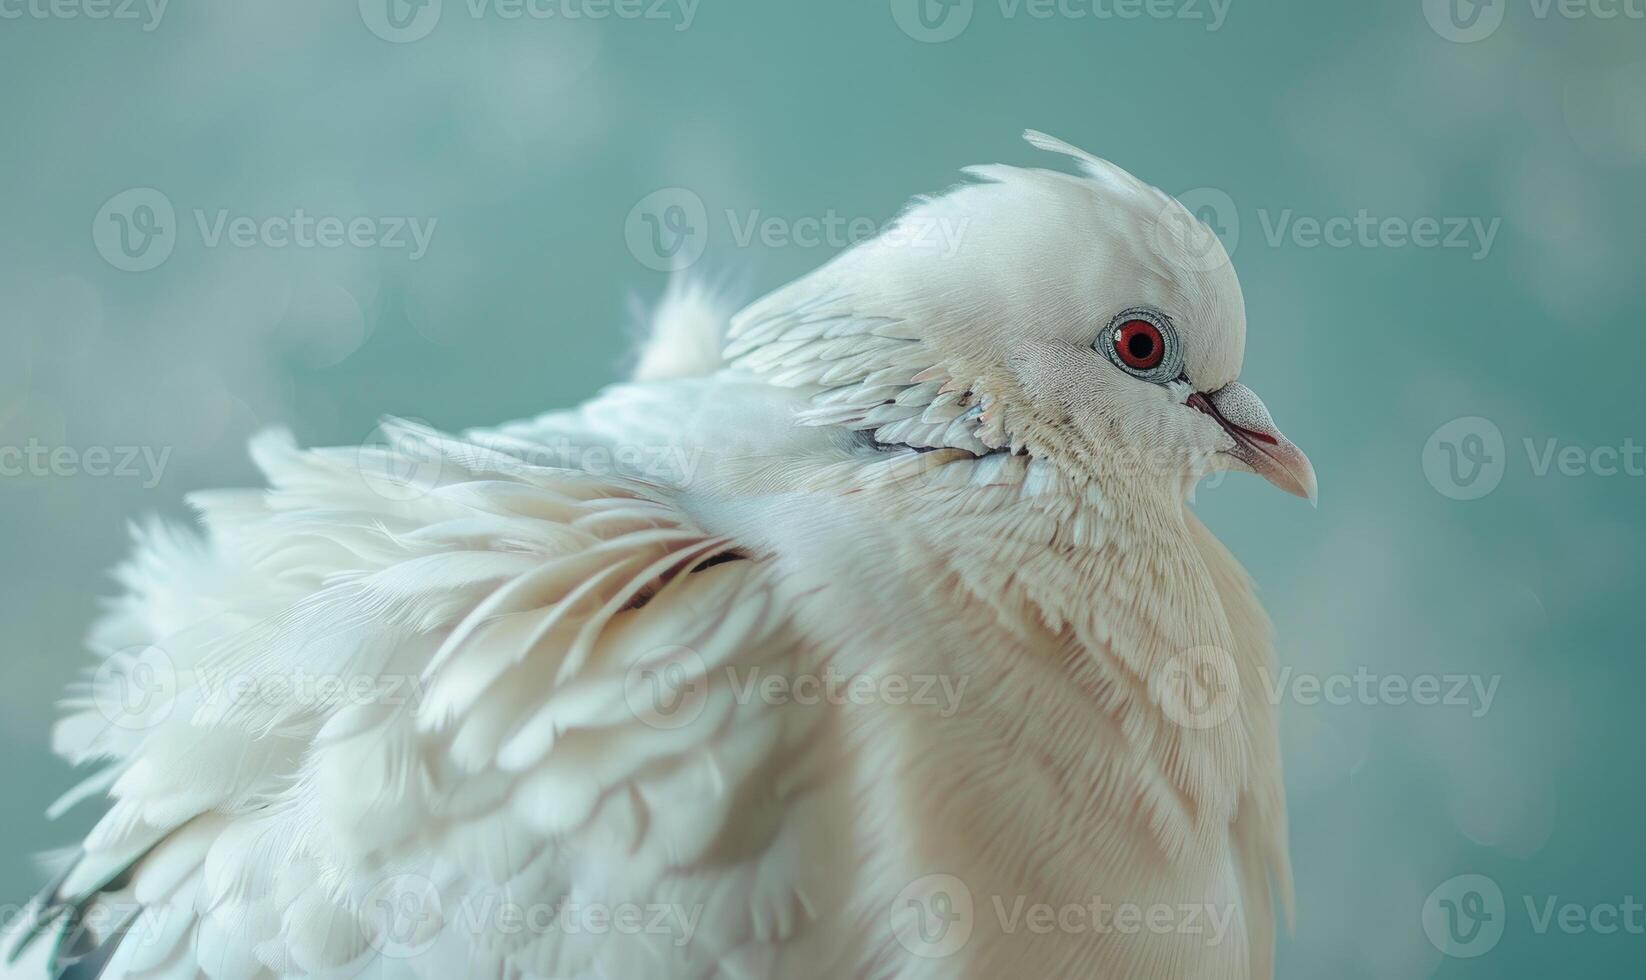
{"points": [[265, 812]]}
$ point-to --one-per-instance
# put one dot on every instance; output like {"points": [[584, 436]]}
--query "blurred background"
{"points": [[221, 217]]}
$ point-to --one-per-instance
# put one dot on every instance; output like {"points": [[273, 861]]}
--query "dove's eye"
{"points": [[1139, 344], [1143, 343]]}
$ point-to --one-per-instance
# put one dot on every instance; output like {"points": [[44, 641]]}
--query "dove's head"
{"points": [[1088, 320]]}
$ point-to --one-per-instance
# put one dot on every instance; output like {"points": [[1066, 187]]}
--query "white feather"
{"points": [[903, 473]]}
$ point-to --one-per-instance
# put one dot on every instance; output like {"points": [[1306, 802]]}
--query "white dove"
{"points": [[876, 641]]}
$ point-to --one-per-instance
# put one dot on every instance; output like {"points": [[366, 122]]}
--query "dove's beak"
{"points": [[1257, 441]]}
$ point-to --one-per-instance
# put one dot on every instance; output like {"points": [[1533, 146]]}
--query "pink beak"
{"points": [[1258, 442]]}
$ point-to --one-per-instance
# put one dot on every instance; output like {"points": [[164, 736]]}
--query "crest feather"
{"points": [[1095, 167]]}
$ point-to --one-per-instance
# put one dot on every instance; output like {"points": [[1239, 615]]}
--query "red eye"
{"points": [[1139, 344]]}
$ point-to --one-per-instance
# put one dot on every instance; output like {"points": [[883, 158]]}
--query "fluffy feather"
{"points": [[533, 701], [686, 333]]}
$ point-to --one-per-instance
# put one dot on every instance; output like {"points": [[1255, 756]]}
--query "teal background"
{"points": [[530, 142]]}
